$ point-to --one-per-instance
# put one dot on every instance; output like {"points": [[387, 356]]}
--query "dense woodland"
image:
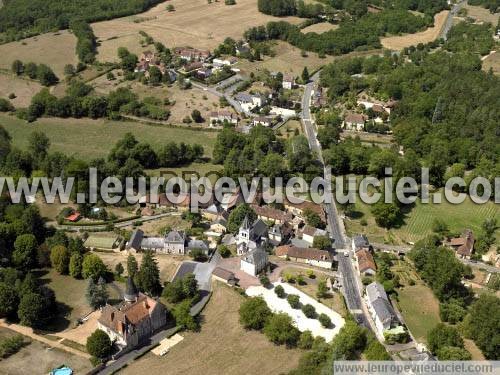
{"points": [[492, 5], [21, 18], [447, 113], [363, 33]]}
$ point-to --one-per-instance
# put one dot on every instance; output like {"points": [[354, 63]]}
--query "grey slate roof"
{"points": [[374, 291], [175, 236], [384, 311], [197, 244], [361, 240], [135, 240], [259, 228], [256, 256], [131, 291]]}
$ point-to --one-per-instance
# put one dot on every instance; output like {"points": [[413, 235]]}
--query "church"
{"points": [[134, 320], [251, 236]]}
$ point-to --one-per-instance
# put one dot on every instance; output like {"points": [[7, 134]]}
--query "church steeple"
{"points": [[131, 292], [246, 223]]}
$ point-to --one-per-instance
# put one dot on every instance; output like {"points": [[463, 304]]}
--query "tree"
{"points": [[98, 344], [46, 76], [237, 216], [69, 70], [375, 351], [224, 251], [25, 249], [452, 353], [280, 291], [93, 267], [9, 300], [59, 258], [129, 62], [155, 75], [254, 313], [306, 340], [170, 8], [482, 325], [309, 311], [132, 266], [280, 330], [305, 75], [119, 269], [148, 277], [325, 320], [313, 219], [183, 318], [96, 294], [443, 335], [293, 300], [264, 280], [322, 289], [34, 310], [38, 146], [196, 116], [17, 67], [440, 227], [75, 265], [386, 214], [322, 242]]}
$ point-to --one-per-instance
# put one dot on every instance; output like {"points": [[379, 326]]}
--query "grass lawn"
{"points": [[70, 295], [88, 139], [221, 347], [418, 222], [417, 303], [290, 129]]}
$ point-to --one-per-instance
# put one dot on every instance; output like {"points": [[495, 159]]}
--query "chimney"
{"points": [[112, 316]]}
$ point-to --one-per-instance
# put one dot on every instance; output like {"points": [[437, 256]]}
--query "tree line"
{"points": [[351, 35], [42, 73], [86, 45], [23, 18], [478, 318]]}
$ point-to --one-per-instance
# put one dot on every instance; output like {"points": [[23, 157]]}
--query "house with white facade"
{"points": [[314, 257], [380, 308], [254, 262]]}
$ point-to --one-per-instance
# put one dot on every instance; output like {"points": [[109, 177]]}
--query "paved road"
{"points": [[122, 224], [226, 93], [311, 134], [350, 278], [449, 20]]}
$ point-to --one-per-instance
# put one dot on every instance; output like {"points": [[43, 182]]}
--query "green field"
{"points": [[418, 222], [88, 139]]}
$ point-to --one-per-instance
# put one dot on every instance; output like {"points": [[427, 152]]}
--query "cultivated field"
{"points": [[38, 358], [432, 33], [195, 23], [88, 139], [221, 347], [482, 14], [319, 28], [492, 62], [53, 49], [418, 222], [24, 89]]}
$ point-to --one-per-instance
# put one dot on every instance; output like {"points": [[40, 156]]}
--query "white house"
{"points": [[309, 233], [288, 81], [314, 257], [262, 120], [254, 261], [380, 308], [249, 101], [355, 121]]}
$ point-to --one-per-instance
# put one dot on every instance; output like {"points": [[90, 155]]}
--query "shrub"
{"points": [[306, 340], [11, 345], [280, 292], [293, 300], [325, 320], [309, 311], [254, 313]]}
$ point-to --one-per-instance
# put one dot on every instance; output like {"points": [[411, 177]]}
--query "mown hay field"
{"points": [[194, 23]]}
